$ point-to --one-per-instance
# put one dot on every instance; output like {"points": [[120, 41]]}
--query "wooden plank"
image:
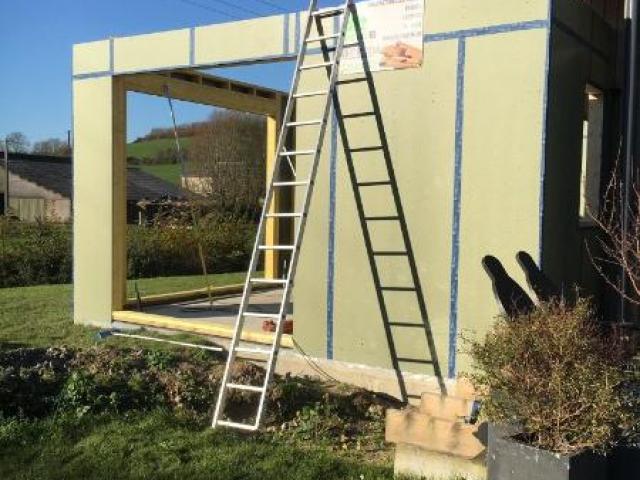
{"points": [[210, 328], [445, 406], [119, 196], [204, 93], [164, 298], [272, 237], [434, 434]]}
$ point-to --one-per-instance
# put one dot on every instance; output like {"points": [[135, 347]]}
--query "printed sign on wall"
{"points": [[393, 32]]}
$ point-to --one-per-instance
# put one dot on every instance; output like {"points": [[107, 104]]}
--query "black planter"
{"points": [[624, 463], [508, 459]]}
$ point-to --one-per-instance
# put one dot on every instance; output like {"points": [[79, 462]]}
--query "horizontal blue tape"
{"points": [[490, 30]]}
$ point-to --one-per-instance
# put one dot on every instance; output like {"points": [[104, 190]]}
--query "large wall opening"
{"points": [[199, 152]]}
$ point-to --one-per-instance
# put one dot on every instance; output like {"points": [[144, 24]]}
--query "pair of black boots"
{"points": [[514, 300]]}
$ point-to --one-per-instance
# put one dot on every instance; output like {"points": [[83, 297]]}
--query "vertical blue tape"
{"points": [[285, 34], [331, 247], [333, 152], [457, 193], [192, 46], [111, 56], [543, 147]]}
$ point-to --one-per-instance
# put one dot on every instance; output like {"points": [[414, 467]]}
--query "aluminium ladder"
{"points": [[332, 65]]}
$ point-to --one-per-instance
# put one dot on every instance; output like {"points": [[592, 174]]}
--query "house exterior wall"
{"points": [[99, 200], [467, 142], [466, 138], [583, 51], [31, 202]]}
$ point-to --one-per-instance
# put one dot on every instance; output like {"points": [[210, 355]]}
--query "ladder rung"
{"points": [[365, 149], [374, 184], [316, 65], [358, 115], [304, 123], [269, 281], [297, 152], [285, 215], [248, 388], [351, 80], [291, 184], [346, 45], [390, 253], [414, 360], [406, 324], [241, 426], [382, 218], [261, 315], [322, 38], [260, 351], [398, 289], [311, 94], [277, 247], [328, 12]]}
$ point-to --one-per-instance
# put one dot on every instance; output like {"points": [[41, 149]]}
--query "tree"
{"points": [[17, 142], [616, 255], [226, 162], [52, 146]]}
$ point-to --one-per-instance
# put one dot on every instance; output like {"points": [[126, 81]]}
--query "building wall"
{"points": [[583, 51], [466, 137], [31, 202]]}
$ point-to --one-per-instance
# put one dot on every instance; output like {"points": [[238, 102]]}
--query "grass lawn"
{"points": [[148, 444], [41, 316], [160, 446]]}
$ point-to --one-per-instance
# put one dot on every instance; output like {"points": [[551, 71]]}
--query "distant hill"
{"points": [[152, 149], [157, 157], [169, 172]]}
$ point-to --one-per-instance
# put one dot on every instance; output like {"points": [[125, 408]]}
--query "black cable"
{"points": [[238, 7], [211, 9]]}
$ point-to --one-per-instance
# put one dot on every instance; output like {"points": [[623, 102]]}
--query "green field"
{"points": [[169, 172], [148, 149]]}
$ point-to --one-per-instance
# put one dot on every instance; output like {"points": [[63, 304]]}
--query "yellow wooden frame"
{"points": [[183, 84], [198, 87]]}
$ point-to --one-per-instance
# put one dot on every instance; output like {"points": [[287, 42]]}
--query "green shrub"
{"points": [[162, 250], [555, 373], [41, 253], [32, 254]]}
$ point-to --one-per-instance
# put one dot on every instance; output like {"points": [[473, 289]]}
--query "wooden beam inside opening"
{"points": [[192, 86]]}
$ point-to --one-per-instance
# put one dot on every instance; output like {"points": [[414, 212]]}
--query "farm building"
{"points": [[500, 142], [41, 187]]}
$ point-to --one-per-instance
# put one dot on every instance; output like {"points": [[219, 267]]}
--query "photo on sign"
{"points": [[393, 32]]}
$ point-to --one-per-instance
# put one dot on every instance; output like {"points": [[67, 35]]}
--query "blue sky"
{"points": [[36, 38]]}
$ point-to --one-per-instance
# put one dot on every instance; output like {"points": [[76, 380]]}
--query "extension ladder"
{"points": [[332, 66]]}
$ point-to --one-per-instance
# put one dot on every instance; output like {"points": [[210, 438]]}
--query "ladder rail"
{"points": [[335, 69], [220, 404]]}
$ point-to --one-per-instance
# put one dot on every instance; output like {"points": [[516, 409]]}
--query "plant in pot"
{"points": [[561, 381]]}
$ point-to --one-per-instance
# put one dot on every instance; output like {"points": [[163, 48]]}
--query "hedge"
{"points": [[41, 253]]}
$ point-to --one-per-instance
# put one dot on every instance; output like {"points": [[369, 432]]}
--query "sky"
{"points": [[36, 40]]}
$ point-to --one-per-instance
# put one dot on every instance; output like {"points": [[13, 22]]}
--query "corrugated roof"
{"points": [[56, 174]]}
